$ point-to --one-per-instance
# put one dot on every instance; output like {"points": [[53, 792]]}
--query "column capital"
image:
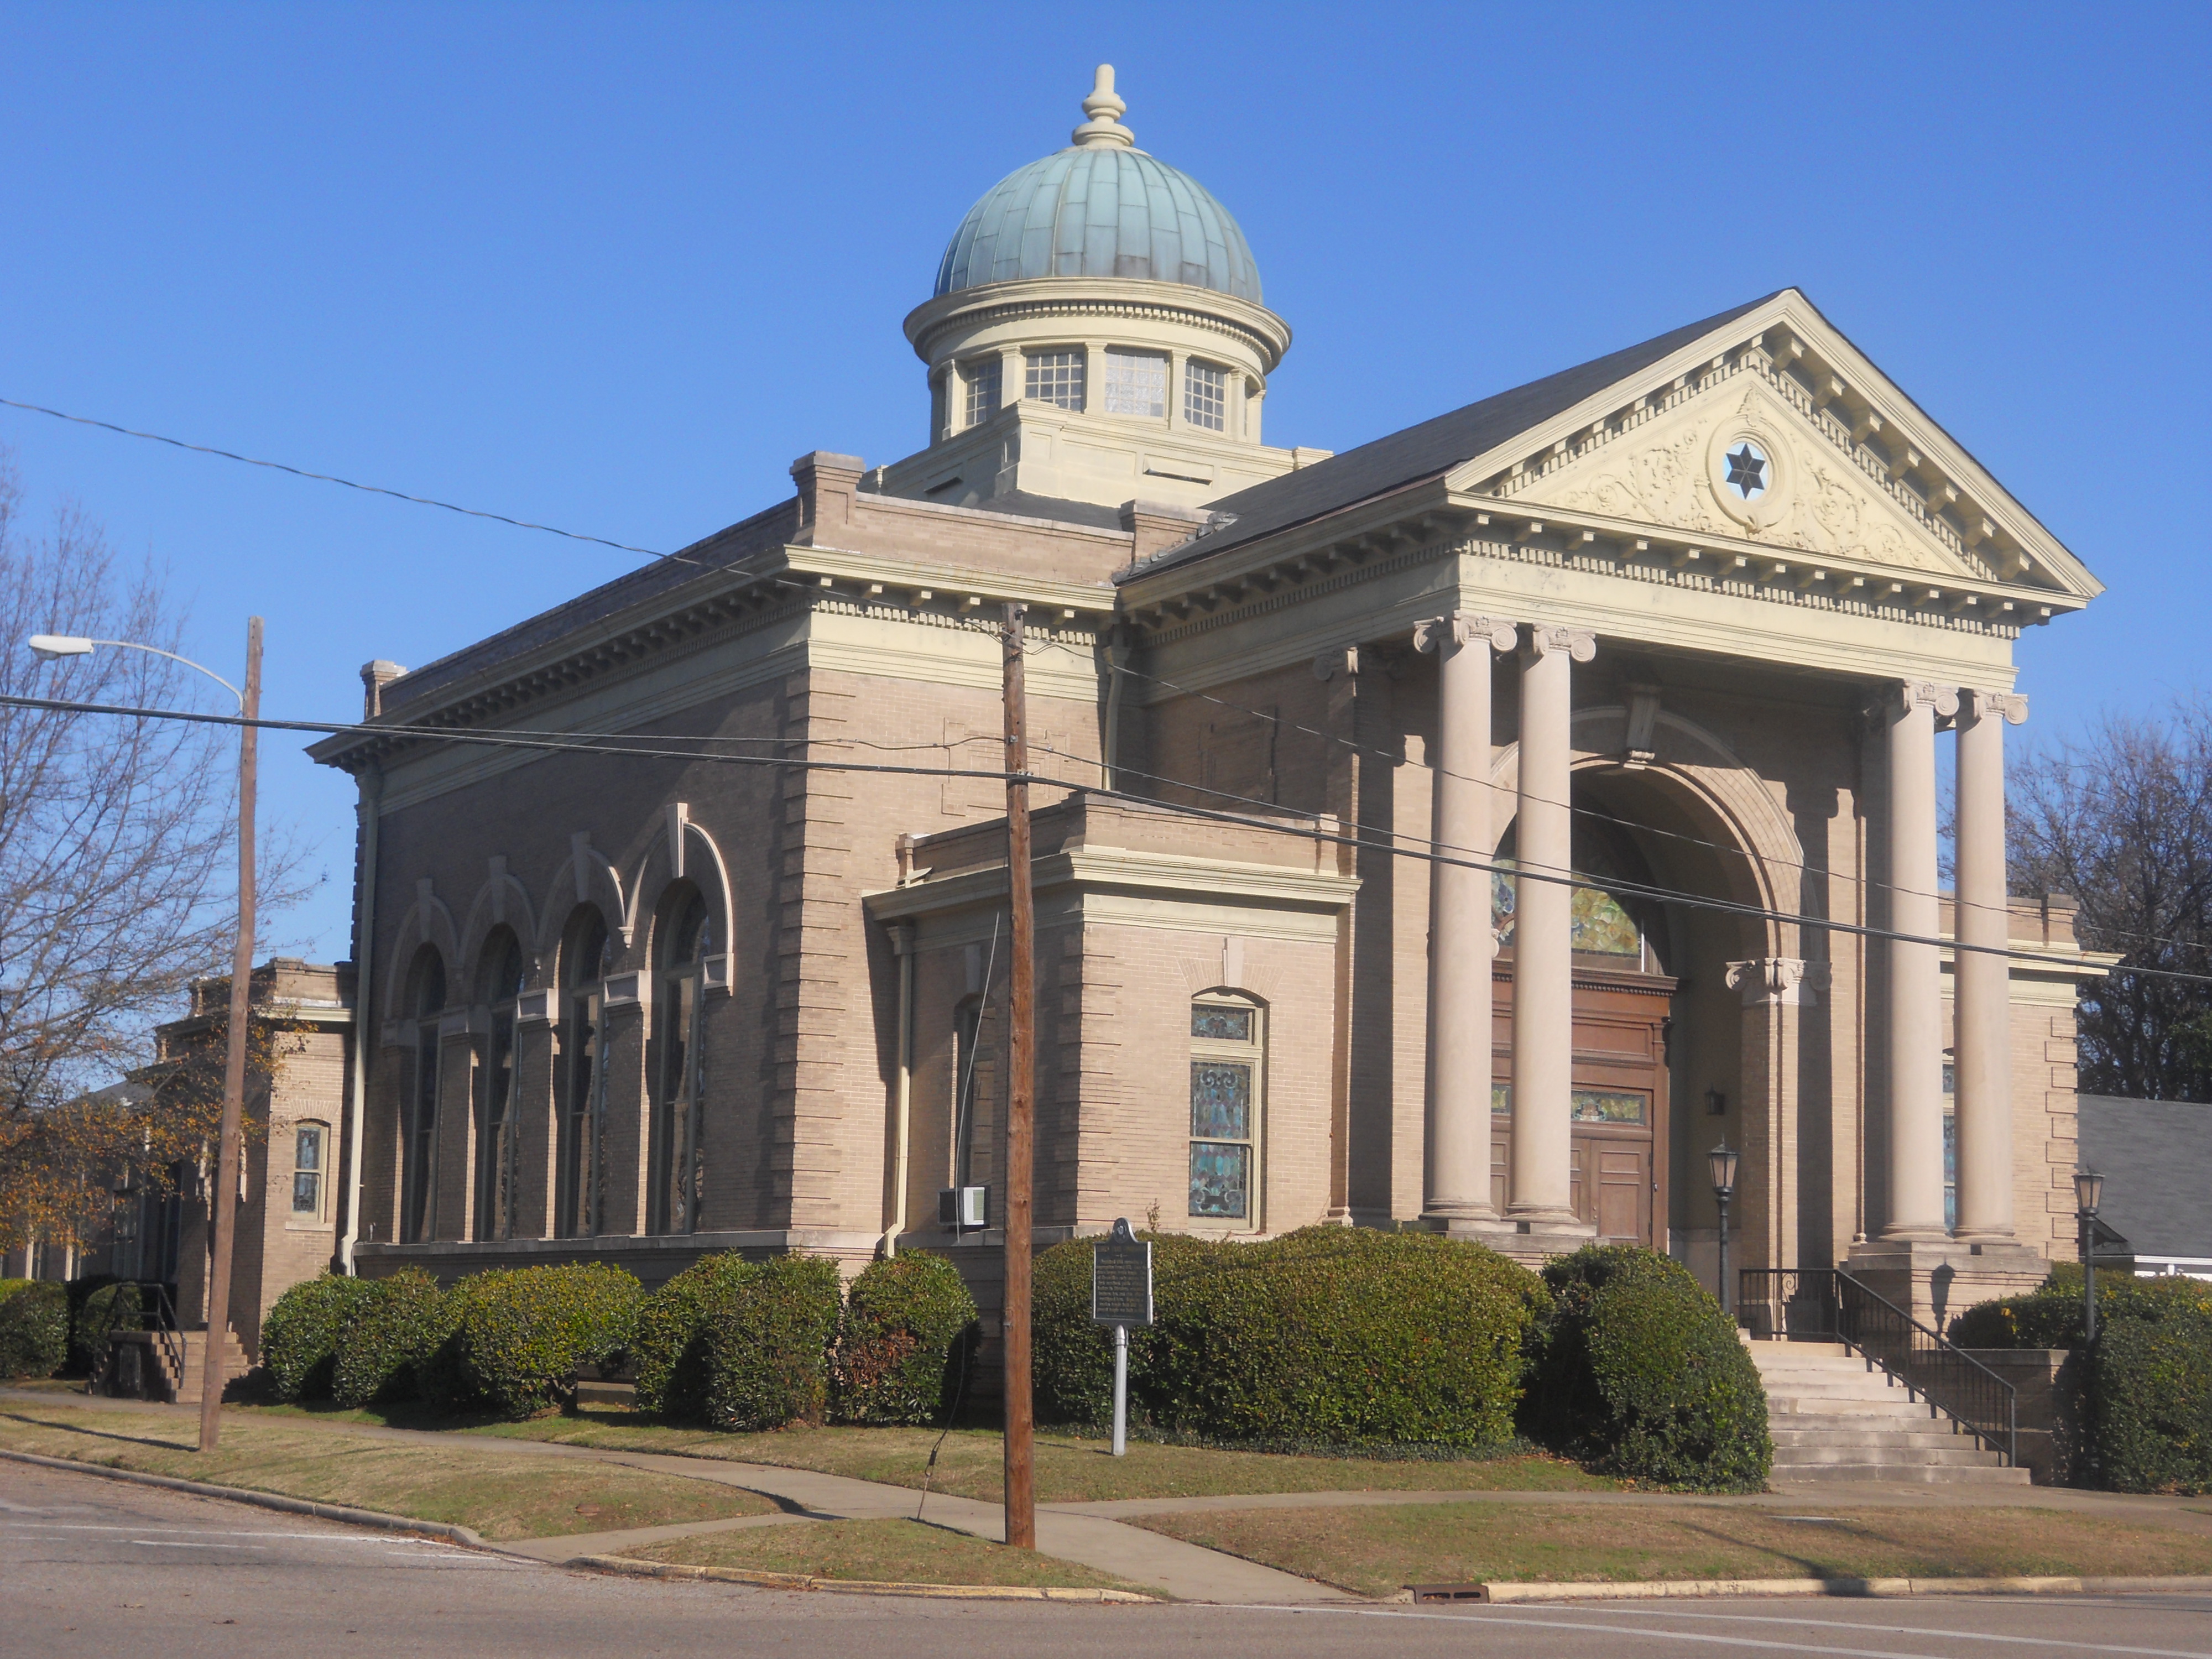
{"points": [[1465, 627], [1547, 637], [1784, 981], [1983, 705], [1924, 693]]}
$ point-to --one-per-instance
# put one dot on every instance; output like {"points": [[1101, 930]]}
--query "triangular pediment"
{"points": [[1842, 465], [1738, 461]]}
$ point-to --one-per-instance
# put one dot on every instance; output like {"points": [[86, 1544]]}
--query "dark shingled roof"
{"points": [[2156, 1159], [1431, 449]]}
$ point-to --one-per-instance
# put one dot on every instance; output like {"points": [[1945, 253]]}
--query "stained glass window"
{"points": [[1225, 1096], [1607, 1106], [1211, 1019], [308, 1170], [1220, 1180], [1220, 1100]]}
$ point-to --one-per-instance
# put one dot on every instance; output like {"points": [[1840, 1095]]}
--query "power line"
{"points": [[965, 624], [1872, 883], [561, 743]]}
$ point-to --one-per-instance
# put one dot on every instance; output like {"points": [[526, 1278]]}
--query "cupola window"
{"points": [[1055, 377], [982, 379], [1137, 384], [1206, 396]]}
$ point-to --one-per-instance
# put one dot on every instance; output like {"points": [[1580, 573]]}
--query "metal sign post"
{"points": [[1122, 1296]]}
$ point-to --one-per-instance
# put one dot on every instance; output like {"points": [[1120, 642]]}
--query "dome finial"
{"points": [[1102, 130]]}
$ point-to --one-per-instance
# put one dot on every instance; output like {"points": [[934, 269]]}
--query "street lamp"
{"points": [[2088, 1193], [1722, 1162], [224, 1221]]}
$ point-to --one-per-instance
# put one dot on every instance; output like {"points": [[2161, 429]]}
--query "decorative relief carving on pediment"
{"points": [[1791, 488]]}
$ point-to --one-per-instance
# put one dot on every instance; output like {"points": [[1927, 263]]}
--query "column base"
{"points": [[1937, 1279], [1532, 1243]]}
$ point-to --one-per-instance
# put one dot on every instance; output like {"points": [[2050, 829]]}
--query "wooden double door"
{"points": [[1618, 1173]]}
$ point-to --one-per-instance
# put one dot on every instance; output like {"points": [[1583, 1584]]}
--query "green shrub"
{"points": [[1643, 1375], [670, 1340], [518, 1336], [2050, 1316], [906, 1342], [299, 1337], [35, 1327], [113, 1305], [1330, 1336], [389, 1332], [2146, 1403], [768, 1344]]}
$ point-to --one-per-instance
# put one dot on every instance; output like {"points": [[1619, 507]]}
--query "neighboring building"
{"points": [[290, 1194], [2156, 1159], [1686, 619]]}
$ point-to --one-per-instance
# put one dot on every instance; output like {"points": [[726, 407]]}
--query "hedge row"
{"points": [[734, 1344], [2050, 1316], [1332, 1336]]}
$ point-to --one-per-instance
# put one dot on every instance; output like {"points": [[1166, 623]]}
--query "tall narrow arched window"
{"points": [[419, 1170], [580, 1202], [499, 976], [1228, 1051], [677, 1160]]}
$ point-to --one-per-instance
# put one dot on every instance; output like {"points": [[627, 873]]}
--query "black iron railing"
{"points": [[1829, 1303], [156, 1311]]}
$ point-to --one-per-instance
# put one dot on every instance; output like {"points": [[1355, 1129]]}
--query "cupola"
{"points": [[1096, 334]]}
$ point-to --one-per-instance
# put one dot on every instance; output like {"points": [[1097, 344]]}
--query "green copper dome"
{"points": [[1100, 208]]}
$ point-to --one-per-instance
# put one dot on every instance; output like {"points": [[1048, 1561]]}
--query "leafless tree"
{"points": [[116, 873], [2121, 819]]}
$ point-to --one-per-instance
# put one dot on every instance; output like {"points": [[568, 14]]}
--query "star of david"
{"points": [[1747, 471]]}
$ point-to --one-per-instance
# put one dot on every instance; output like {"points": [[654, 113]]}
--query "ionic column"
{"points": [[1981, 984], [1915, 983], [1455, 1183], [1543, 920]]}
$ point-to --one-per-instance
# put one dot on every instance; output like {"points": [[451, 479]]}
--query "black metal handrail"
{"points": [[1829, 1302], [156, 1312]]}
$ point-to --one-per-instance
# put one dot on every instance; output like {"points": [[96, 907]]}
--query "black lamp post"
{"points": [[2088, 1193], [1724, 1169]]}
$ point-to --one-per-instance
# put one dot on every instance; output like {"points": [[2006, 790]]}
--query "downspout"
{"points": [[902, 1096], [364, 954]]}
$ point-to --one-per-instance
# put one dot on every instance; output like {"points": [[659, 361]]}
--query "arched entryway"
{"points": [[1670, 1056]]}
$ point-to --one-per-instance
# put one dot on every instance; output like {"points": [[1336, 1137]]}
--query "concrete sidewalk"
{"points": [[1186, 1571]]}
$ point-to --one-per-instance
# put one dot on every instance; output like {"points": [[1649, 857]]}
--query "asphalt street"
{"points": [[94, 1567]]}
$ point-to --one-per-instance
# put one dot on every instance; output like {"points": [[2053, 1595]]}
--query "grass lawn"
{"points": [[1069, 1470], [503, 1495], [1376, 1551], [895, 1552]]}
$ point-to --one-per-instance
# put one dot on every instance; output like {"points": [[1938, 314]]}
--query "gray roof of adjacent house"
{"points": [[1431, 449], [2156, 1159]]}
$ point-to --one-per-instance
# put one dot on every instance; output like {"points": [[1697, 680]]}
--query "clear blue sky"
{"points": [[612, 267]]}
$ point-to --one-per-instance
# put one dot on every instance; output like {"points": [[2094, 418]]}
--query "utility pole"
{"points": [[223, 1216], [1021, 1103]]}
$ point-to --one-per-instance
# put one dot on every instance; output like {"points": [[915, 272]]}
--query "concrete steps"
{"points": [[1835, 1417]]}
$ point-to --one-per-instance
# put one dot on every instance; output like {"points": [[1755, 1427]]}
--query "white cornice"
{"points": [[1099, 296], [1100, 869]]}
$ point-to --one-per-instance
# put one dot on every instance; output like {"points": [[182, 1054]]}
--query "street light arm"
{"points": [[52, 645]]}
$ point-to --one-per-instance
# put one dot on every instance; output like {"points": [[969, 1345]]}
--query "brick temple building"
{"points": [[1655, 655]]}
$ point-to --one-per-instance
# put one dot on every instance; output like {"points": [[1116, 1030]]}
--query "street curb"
{"points": [[1661, 1589], [267, 1500], [800, 1581]]}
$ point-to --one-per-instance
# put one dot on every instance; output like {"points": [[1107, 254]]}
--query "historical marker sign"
{"points": [[1121, 1279]]}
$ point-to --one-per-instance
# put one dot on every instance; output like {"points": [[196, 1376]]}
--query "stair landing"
{"points": [[1835, 1416]]}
